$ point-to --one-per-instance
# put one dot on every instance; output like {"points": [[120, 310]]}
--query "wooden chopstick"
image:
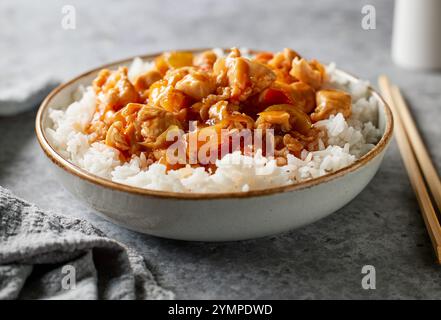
{"points": [[413, 169], [419, 149]]}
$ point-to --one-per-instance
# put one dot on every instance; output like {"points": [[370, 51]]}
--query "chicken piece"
{"points": [[281, 63], [101, 80], [205, 60], [293, 145], [124, 132], [115, 137], [283, 59], [298, 94], [128, 114], [234, 53], [331, 102], [219, 111], [269, 119], [239, 78], [284, 77], [220, 72], [114, 90], [261, 76], [173, 60], [143, 82], [202, 139], [263, 57], [204, 106], [167, 97], [154, 121], [220, 67], [165, 139], [247, 77], [312, 73], [97, 130], [286, 117], [173, 76], [303, 96], [242, 76], [197, 84], [171, 159], [228, 116]]}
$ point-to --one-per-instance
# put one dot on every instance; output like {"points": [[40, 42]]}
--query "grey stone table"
{"points": [[381, 227]]}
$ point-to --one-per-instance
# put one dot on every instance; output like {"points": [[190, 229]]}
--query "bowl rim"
{"points": [[71, 168]]}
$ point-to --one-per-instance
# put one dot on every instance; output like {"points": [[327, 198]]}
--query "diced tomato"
{"points": [[272, 96]]}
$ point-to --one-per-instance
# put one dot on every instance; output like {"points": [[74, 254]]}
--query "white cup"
{"points": [[416, 40]]}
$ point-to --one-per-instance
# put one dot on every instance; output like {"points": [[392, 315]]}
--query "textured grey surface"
{"points": [[381, 227]]}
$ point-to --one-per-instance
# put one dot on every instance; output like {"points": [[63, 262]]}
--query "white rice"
{"points": [[347, 141]]}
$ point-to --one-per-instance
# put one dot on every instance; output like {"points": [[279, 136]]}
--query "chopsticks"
{"points": [[420, 151], [416, 160]]}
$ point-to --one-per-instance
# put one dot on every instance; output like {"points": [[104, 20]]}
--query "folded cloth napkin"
{"points": [[48, 256]]}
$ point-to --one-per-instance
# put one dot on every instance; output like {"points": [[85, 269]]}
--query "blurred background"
{"points": [[320, 261], [35, 46]]}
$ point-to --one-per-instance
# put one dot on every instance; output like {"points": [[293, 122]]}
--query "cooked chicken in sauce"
{"points": [[187, 94]]}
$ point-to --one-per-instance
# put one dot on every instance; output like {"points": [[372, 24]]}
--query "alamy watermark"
{"points": [[369, 280], [68, 17], [369, 20], [207, 145], [69, 280]]}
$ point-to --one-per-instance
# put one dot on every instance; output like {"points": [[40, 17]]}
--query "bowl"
{"points": [[215, 216]]}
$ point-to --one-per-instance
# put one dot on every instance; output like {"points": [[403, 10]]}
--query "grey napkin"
{"points": [[48, 256]]}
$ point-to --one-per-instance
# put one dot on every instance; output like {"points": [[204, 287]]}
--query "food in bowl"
{"points": [[217, 121], [210, 203]]}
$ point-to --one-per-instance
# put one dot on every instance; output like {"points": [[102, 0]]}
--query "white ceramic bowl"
{"points": [[210, 217]]}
